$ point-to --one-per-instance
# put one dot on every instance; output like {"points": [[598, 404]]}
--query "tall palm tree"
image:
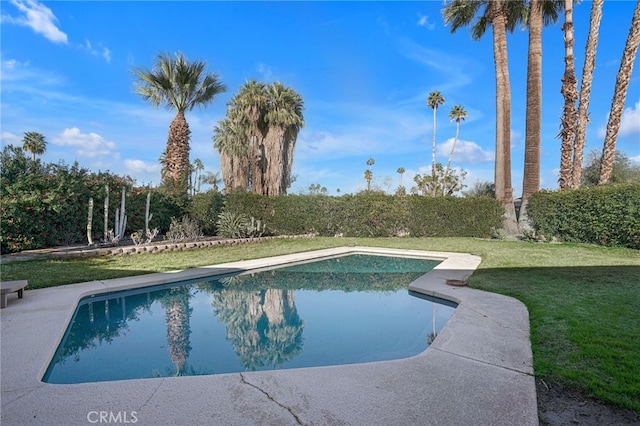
{"points": [[434, 100], [178, 84], [284, 118], [197, 168], [229, 139], [400, 171], [585, 92], [34, 143], [619, 96], [368, 176], [541, 13], [212, 179], [250, 103], [456, 114], [501, 16], [569, 91]]}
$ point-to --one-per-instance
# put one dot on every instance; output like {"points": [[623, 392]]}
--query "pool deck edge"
{"points": [[479, 370]]}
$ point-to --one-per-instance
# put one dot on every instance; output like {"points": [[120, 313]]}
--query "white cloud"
{"points": [[90, 145], [423, 21], [10, 138], [635, 159], [37, 17], [136, 167], [466, 152], [96, 51], [629, 122]]}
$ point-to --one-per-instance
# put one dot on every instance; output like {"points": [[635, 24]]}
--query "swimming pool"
{"points": [[342, 310]]}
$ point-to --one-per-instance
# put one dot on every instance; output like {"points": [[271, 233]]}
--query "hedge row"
{"points": [[606, 215], [371, 214]]}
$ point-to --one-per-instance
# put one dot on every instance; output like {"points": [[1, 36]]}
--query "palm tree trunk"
{"points": [[433, 145], [290, 137], [531, 172], [570, 92], [453, 148], [585, 92], [504, 191], [177, 153], [619, 96], [274, 152]]}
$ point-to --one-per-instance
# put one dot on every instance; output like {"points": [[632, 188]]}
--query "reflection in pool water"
{"points": [[344, 310]]}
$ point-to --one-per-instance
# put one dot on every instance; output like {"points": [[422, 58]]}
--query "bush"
{"points": [[371, 214], [604, 215], [44, 205], [205, 208]]}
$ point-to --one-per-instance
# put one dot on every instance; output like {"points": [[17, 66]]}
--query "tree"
{"points": [[400, 171], [259, 133], [212, 179], [197, 168], [34, 143], [433, 101], [229, 140], [177, 84], [585, 92], [480, 189], [368, 174], [570, 93], [541, 13], [438, 184], [622, 171], [461, 13], [456, 114], [284, 119], [620, 93]]}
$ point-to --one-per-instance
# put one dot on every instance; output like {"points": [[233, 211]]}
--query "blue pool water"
{"points": [[343, 310]]}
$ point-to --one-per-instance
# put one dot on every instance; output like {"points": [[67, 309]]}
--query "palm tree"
{"points": [[460, 13], [619, 96], [197, 167], [368, 175], [570, 93], [34, 143], [181, 85], [458, 114], [585, 92], [400, 171], [229, 139], [541, 13], [212, 179], [433, 101], [284, 118], [250, 104]]}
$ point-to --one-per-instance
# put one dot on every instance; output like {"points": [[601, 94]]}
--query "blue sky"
{"points": [[364, 70]]}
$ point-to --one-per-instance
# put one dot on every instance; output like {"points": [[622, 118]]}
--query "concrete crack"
{"points": [[152, 395], [289, 409]]}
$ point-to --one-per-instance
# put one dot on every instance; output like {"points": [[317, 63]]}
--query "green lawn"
{"points": [[583, 300]]}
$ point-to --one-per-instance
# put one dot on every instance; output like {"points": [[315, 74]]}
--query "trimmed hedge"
{"points": [[371, 214], [604, 215]]}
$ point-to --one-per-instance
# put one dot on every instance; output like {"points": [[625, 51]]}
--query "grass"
{"points": [[583, 300]]}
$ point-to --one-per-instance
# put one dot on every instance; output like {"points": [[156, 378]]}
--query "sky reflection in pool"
{"points": [[344, 310]]}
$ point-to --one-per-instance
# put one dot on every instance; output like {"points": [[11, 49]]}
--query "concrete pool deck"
{"points": [[478, 371]]}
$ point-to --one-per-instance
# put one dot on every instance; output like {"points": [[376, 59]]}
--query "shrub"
{"points": [[605, 215], [238, 225], [205, 208]]}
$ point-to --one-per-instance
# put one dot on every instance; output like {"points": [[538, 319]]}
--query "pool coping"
{"points": [[479, 370]]}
